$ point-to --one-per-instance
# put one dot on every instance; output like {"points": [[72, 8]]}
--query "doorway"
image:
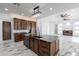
{"points": [[6, 30]]}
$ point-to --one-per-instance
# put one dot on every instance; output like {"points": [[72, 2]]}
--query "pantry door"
{"points": [[6, 30]]}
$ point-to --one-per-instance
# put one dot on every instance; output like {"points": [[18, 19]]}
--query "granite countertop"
{"points": [[47, 38]]}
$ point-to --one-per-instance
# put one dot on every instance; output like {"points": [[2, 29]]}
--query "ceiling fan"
{"points": [[65, 16]]}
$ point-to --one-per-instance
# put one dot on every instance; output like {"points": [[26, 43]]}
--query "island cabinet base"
{"points": [[47, 48], [44, 48]]}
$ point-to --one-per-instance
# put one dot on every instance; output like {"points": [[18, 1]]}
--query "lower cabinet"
{"points": [[44, 48], [57, 46], [36, 46], [19, 37], [53, 48], [31, 44]]}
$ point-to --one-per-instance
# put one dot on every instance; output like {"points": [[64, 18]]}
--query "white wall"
{"points": [[51, 21], [0, 30]]}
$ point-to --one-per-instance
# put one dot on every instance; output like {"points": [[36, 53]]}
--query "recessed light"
{"points": [[6, 9], [50, 8], [22, 14]]}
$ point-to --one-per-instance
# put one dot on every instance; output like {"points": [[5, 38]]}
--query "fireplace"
{"points": [[68, 32]]}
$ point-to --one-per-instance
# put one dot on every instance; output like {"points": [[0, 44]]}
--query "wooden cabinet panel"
{"points": [[31, 44], [57, 45], [19, 24], [28, 25], [15, 23], [25, 24], [53, 48], [19, 37], [43, 53], [44, 44], [44, 48], [33, 27], [36, 46]]}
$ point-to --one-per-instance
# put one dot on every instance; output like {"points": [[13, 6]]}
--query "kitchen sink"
{"points": [[38, 36]]}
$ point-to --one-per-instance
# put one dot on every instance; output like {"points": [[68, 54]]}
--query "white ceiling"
{"points": [[27, 8]]}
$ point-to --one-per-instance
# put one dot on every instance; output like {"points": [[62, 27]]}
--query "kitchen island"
{"points": [[46, 45]]}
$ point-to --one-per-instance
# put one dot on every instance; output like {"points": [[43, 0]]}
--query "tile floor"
{"points": [[69, 46], [15, 49]]}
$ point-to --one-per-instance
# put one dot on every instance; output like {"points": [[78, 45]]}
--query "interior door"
{"points": [[6, 30]]}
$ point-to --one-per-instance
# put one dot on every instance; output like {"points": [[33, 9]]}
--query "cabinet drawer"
{"points": [[45, 49], [43, 53], [44, 44]]}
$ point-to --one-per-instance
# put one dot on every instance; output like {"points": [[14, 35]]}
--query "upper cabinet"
{"points": [[20, 24], [33, 27], [16, 23], [28, 25]]}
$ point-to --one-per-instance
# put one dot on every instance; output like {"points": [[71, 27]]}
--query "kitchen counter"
{"points": [[48, 38]]}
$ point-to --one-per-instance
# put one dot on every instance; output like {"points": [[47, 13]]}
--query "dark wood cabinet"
{"points": [[44, 48], [57, 46], [15, 23], [34, 45], [36, 42], [33, 27], [25, 24], [20, 24], [19, 37], [53, 48], [31, 44], [29, 25]]}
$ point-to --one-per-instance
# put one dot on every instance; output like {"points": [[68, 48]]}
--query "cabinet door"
{"points": [[36, 46], [57, 45], [53, 48], [25, 24], [22, 24], [33, 27], [19, 24], [44, 48], [15, 23], [28, 25], [31, 44]]}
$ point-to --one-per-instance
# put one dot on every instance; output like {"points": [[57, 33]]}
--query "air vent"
{"points": [[16, 4]]}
